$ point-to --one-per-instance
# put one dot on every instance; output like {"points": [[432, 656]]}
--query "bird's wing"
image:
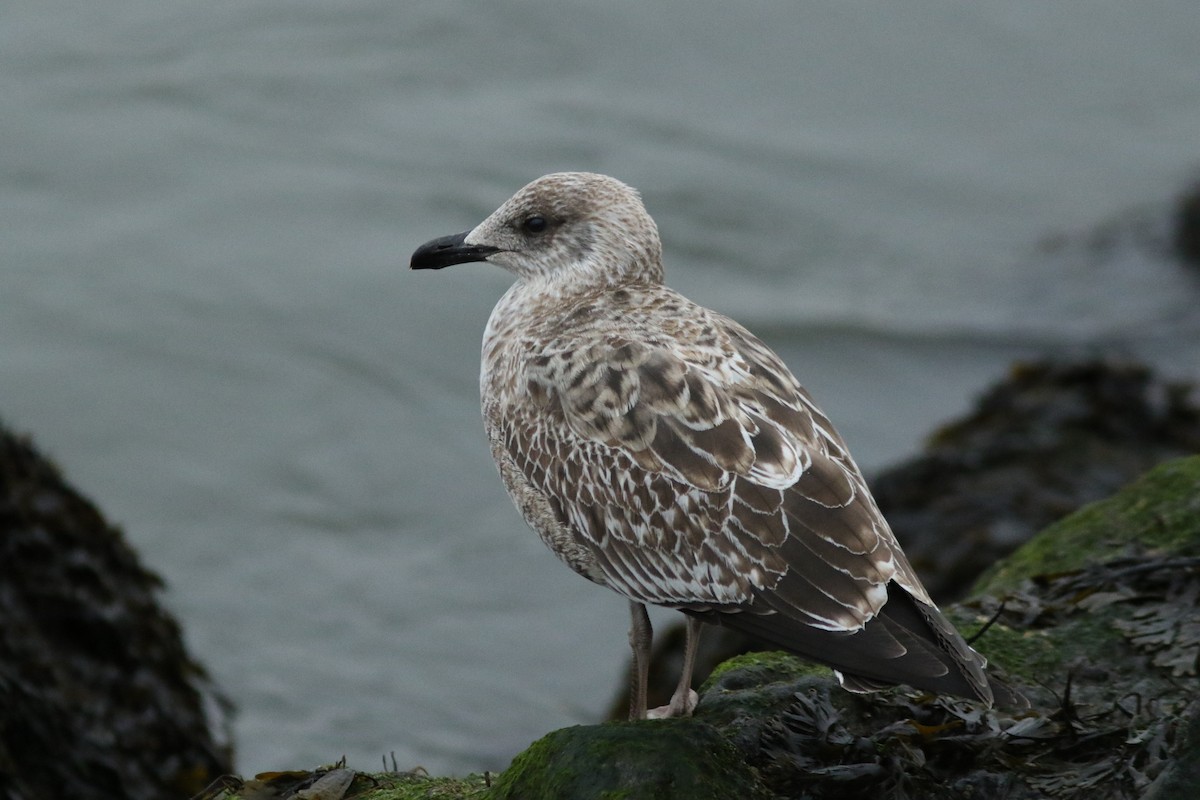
{"points": [[849, 596], [707, 480], [703, 478]]}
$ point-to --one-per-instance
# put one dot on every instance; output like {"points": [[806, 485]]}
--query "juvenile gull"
{"points": [[662, 450]]}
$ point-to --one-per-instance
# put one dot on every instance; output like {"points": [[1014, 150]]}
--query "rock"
{"points": [[336, 782], [1037, 446], [679, 759], [1181, 779], [1187, 226], [98, 697]]}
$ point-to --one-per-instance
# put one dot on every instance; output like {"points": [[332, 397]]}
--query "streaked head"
{"points": [[579, 223]]}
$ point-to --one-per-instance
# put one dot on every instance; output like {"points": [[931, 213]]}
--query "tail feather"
{"points": [[907, 642]]}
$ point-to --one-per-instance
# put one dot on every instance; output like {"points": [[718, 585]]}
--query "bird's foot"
{"points": [[680, 706]]}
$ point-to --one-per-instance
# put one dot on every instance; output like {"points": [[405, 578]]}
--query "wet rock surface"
{"points": [[1038, 445], [683, 758], [1186, 228], [98, 698]]}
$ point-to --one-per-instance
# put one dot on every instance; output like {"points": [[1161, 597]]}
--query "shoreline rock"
{"points": [[98, 696], [1048, 439]]}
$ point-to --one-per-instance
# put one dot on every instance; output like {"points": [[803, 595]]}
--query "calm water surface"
{"points": [[207, 317]]}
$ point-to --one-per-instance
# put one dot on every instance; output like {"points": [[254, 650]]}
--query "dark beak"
{"points": [[449, 250]]}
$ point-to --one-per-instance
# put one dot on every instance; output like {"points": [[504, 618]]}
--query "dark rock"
{"points": [[1181, 779], [1157, 516], [681, 759], [98, 698], [1039, 445], [1187, 226], [335, 782]]}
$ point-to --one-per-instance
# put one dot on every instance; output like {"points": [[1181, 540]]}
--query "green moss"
{"points": [[416, 787], [1028, 654], [371, 786], [663, 759], [759, 668], [1158, 512]]}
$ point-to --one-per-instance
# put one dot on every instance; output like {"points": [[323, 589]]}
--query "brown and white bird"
{"points": [[662, 450]]}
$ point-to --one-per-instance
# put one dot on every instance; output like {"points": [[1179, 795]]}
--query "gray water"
{"points": [[207, 317]]}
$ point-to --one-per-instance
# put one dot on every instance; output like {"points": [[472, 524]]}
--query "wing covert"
{"points": [[687, 478]]}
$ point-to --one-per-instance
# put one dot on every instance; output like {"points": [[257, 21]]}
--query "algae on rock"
{"points": [[680, 758]]}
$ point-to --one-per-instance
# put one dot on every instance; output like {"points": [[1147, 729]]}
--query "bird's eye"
{"points": [[535, 224]]}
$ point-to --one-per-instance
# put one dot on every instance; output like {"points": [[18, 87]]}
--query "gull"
{"points": [[662, 450]]}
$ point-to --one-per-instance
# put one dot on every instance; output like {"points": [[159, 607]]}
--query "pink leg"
{"points": [[684, 701], [641, 635]]}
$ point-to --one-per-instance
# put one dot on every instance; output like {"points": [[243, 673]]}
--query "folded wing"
{"points": [[704, 478]]}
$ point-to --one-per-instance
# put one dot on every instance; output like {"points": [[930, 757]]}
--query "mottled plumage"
{"points": [[662, 450]]}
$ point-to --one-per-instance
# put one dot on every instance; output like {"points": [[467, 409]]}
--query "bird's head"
{"points": [[569, 225]]}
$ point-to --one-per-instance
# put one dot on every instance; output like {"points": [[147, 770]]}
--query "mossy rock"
{"points": [[683, 759], [758, 668], [335, 782], [99, 697], [390, 786], [1159, 512], [1074, 585]]}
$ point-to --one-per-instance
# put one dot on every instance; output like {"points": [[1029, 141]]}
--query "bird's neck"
{"points": [[535, 311]]}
